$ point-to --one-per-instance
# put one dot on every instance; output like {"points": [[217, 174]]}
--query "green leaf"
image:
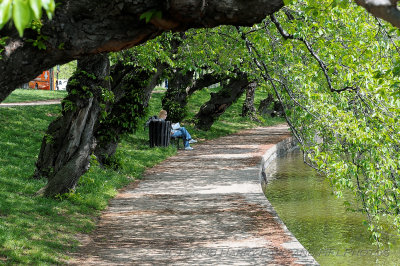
{"points": [[52, 7], [5, 12], [147, 16], [21, 15], [344, 4], [36, 6], [49, 6], [46, 4], [396, 71]]}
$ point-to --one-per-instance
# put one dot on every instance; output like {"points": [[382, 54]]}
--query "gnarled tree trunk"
{"points": [[220, 101], [248, 109], [175, 99], [264, 106], [132, 86], [69, 140]]}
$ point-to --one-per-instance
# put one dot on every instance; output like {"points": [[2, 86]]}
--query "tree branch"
{"points": [[87, 27], [322, 65], [265, 74], [384, 9], [205, 80]]}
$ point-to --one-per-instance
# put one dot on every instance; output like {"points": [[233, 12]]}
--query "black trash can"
{"points": [[159, 133]]}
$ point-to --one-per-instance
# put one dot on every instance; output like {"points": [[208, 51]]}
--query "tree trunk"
{"points": [[69, 140], [220, 101], [264, 106], [278, 109], [133, 86], [87, 27], [248, 109], [175, 99]]}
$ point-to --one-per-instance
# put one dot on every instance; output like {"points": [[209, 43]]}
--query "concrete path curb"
{"points": [[200, 207]]}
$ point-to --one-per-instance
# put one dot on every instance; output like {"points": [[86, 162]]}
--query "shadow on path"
{"points": [[202, 207]]}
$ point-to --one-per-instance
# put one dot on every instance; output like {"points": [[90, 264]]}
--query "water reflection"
{"points": [[304, 201]]}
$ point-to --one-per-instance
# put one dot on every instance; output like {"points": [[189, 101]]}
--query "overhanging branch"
{"points": [[384, 9], [321, 63], [87, 27]]}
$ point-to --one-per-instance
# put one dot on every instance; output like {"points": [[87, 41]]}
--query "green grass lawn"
{"points": [[27, 95], [36, 230]]}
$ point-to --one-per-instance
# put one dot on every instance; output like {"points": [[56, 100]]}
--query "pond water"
{"points": [[304, 201]]}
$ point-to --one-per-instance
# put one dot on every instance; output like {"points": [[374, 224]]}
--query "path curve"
{"points": [[200, 207]]}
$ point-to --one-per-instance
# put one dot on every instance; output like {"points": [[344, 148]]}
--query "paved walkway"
{"points": [[200, 207], [44, 102]]}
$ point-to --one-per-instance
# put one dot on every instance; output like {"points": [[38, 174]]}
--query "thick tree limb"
{"points": [[85, 27], [384, 9], [221, 100], [205, 80]]}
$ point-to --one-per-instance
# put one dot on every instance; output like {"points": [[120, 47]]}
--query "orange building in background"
{"points": [[44, 81]]}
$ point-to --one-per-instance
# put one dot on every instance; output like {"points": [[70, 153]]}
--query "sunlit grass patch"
{"points": [[28, 95]]}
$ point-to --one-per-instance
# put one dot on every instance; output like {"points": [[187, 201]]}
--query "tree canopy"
{"points": [[81, 28], [337, 77]]}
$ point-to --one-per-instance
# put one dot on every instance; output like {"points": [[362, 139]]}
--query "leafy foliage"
{"points": [[149, 15], [67, 70], [176, 111], [336, 74], [334, 69], [23, 12], [125, 115]]}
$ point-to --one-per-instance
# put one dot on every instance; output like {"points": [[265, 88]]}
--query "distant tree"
{"points": [[67, 70]]}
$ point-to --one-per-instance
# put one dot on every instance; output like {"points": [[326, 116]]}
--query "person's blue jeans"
{"points": [[182, 132]]}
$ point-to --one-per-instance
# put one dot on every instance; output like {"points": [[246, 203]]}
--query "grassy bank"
{"points": [[28, 95], [36, 230]]}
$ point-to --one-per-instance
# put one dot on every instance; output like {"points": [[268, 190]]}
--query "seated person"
{"points": [[178, 131]]}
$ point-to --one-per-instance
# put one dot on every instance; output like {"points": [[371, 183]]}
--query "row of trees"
{"points": [[104, 102], [335, 73]]}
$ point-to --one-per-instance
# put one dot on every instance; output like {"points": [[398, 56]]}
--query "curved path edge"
{"points": [[281, 148], [200, 207]]}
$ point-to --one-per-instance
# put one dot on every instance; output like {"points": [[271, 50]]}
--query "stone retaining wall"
{"points": [[280, 149]]}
